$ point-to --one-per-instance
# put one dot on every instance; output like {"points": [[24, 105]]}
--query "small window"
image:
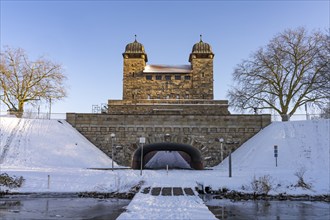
{"points": [[148, 77], [187, 77], [148, 97], [168, 77], [187, 96], [177, 97], [158, 77], [177, 77], [167, 97]]}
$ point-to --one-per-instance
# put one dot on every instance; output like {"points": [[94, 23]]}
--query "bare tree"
{"points": [[291, 71], [25, 81]]}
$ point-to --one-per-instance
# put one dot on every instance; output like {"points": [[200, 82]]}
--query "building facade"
{"points": [[172, 104]]}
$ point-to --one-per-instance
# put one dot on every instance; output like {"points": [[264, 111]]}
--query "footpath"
{"points": [[166, 203]]}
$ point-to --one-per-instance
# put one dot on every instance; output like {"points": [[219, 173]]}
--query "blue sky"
{"points": [[89, 37]]}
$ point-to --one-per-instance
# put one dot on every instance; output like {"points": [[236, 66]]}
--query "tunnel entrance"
{"points": [[170, 159], [158, 155]]}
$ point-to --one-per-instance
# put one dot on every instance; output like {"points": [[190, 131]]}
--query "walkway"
{"points": [[166, 203]]}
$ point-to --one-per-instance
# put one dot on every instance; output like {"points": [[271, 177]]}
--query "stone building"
{"points": [[142, 81], [173, 108]]}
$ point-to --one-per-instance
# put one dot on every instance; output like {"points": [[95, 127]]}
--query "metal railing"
{"points": [[46, 115], [35, 115], [300, 117]]}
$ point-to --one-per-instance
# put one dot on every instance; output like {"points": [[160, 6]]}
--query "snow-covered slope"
{"points": [[303, 147], [36, 149], [300, 144], [38, 143]]}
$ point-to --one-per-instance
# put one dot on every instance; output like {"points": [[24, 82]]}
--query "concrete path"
{"points": [[167, 203]]}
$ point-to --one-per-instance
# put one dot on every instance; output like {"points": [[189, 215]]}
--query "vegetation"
{"points": [[293, 70], [25, 81], [262, 185], [11, 182]]}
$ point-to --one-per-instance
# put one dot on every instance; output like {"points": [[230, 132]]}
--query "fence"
{"points": [[43, 115], [300, 117], [36, 115]]}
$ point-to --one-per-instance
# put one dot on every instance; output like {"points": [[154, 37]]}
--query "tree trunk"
{"points": [[20, 110], [285, 117]]}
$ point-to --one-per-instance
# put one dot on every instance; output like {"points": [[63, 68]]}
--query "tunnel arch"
{"points": [[195, 155]]}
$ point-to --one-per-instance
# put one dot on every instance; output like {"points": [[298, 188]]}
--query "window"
{"points": [[187, 77], [148, 77], [167, 97], [158, 77], [168, 77], [177, 97], [148, 97], [177, 77]]}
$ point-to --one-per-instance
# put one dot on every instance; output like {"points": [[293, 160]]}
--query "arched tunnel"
{"points": [[189, 154]]}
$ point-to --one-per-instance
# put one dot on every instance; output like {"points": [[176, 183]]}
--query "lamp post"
{"points": [[50, 107], [221, 148], [112, 135], [167, 137], [142, 141], [0, 102], [307, 115]]}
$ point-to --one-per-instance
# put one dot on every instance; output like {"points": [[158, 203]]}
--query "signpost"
{"points": [[275, 153], [112, 135]]}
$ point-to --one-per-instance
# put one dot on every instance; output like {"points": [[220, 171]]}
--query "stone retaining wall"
{"points": [[200, 131]]}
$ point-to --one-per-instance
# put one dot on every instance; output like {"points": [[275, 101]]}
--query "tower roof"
{"points": [[201, 50], [202, 47], [135, 50], [134, 47]]}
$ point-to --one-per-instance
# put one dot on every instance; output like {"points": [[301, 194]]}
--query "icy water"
{"points": [[66, 206], [261, 209], [60, 207]]}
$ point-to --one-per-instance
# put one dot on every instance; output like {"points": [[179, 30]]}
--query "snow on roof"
{"points": [[167, 69]]}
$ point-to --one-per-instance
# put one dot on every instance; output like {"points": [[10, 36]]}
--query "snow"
{"points": [[302, 146], [166, 207], [38, 143], [53, 157], [172, 159]]}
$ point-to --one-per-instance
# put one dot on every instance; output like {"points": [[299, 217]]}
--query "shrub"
{"points": [[262, 185], [11, 182], [301, 182]]}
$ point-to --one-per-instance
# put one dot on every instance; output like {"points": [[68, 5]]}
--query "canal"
{"points": [[60, 206], [263, 209], [70, 206]]}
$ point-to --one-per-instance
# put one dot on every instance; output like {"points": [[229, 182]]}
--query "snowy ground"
{"points": [[53, 157], [166, 207]]}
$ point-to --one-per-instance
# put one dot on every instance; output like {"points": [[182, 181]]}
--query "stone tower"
{"points": [[201, 59], [135, 60]]}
